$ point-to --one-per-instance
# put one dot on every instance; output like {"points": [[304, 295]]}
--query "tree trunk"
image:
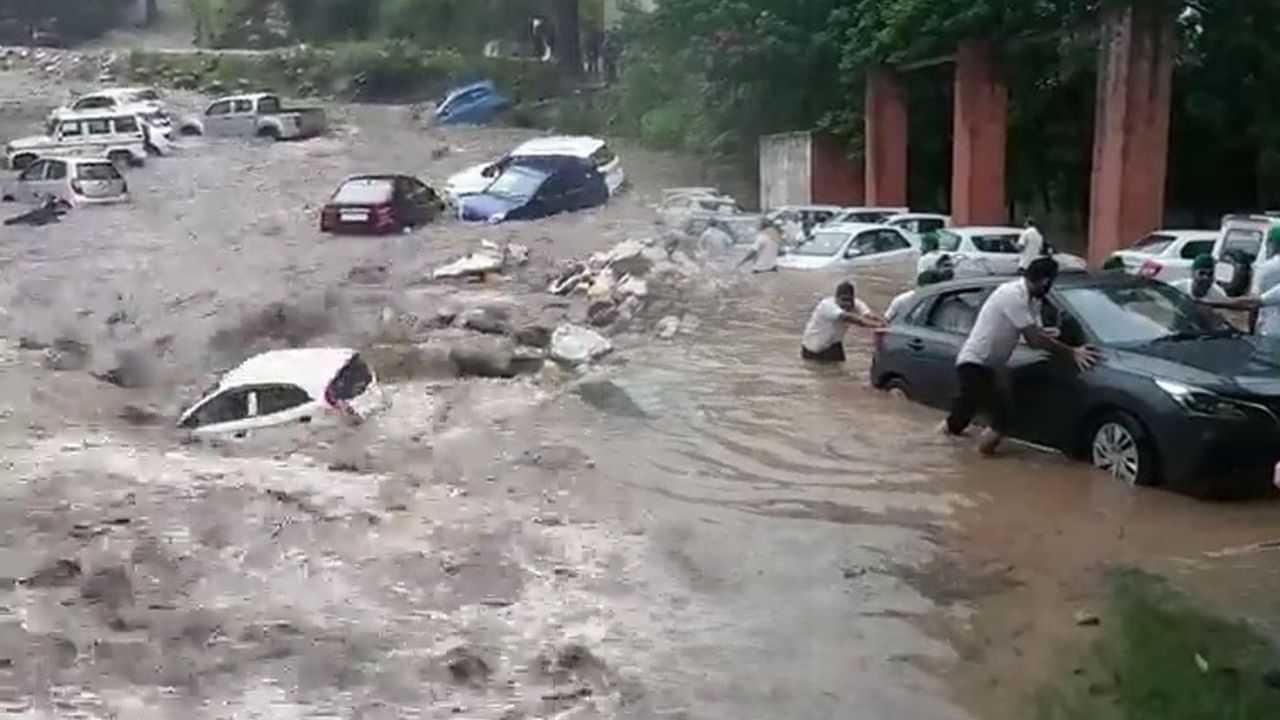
{"points": [[568, 37]]}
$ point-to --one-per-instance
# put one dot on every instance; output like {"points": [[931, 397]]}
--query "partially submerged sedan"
{"points": [[380, 204], [287, 386], [535, 188], [75, 181], [1180, 399], [596, 152], [852, 245]]}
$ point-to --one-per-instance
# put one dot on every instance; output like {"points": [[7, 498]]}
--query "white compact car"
{"points": [[919, 223], [77, 181], [854, 246], [1166, 255], [287, 386], [983, 251], [476, 178]]}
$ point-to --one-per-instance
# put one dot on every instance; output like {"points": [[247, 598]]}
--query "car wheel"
{"points": [[1119, 446], [898, 388], [269, 133], [189, 131]]}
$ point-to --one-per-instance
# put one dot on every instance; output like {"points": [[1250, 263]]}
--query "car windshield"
{"points": [[948, 241], [98, 171], [518, 182], [1137, 315], [364, 192], [823, 244], [1154, 244]]}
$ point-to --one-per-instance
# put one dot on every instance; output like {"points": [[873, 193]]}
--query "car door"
{"points": [[218, 119], [283, 404], [939, 330], [858, 250], [30, 182], [1040, 382], [999, 253], [893, 249], [55, 180], [98, 137], [244, 118], [229, 411]]}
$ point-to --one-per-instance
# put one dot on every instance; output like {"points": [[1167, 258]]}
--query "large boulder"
{"points": [[483, 357], [537, 336], [575, 345], [630, 257]]}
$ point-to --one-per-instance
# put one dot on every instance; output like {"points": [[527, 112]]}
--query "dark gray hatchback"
{"points": [[1181, 398]]}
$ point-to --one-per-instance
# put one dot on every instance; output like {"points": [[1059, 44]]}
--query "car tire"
{"points": [[189, 131], [898, 388], [1119, 445], [269, 133]]}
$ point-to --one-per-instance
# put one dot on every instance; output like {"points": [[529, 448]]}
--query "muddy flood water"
{"points": [[696, 528]]}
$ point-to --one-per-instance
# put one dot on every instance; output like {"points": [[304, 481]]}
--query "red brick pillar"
{"points": [[1131, 126], [980, 137], [886, 155]]}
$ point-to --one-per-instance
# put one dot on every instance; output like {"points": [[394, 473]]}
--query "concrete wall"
{"points": [[786, 167]]}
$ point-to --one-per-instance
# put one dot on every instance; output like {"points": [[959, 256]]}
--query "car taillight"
{"points": [[1150, 269], [328, 218], [76, 187]]}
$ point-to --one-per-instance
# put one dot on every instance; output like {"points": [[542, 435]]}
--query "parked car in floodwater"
{"points": [[1180, 399], [919, 223], [287, 386], [138, 98], [983, 251], [595, 151], [535, 188], [1166, 255], [257, 115], [116, 135], [76, 181], [867, 214], [854, 246], [476, 104], [380, 204]]}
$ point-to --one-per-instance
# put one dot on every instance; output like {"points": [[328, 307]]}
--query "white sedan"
{"points": [[982, 251], [854, 245], [1166, 255]]}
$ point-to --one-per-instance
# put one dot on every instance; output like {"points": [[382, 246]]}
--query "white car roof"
{"points": [[918, 216], [853, 227], [573, 145], [99, 113], [986, 230], [1187, 234], [311, 369], [76, 160], [802, 208]]}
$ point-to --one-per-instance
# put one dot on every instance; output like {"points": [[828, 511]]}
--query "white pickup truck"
{"points": [[257, 115]]}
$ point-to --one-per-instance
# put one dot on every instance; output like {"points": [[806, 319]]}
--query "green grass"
{"points": [[1144, 667]]}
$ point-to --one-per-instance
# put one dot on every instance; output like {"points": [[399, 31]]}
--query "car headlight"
{"points": [[1199, 401]]}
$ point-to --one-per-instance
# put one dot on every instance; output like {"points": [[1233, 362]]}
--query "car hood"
{"points": [[30, 141], [486, 208], [806, 262], [468, 182], [1247, 364]]}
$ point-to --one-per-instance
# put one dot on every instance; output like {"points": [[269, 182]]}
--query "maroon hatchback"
{"points": [[380, 204]]}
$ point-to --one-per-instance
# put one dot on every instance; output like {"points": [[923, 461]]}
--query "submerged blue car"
{"points": [[531, 188], [476, 104]]}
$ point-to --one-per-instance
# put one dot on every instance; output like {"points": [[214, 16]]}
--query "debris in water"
{"points": [[1085, 618], [574, 345], [466, 666], [60, 572], [67, 355], [667, 327], [1202, 663]]}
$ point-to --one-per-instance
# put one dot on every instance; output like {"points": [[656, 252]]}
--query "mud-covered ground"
{"points": [[698, 527]]}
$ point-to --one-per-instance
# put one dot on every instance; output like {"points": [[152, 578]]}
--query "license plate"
{"points": [[354, 216]]}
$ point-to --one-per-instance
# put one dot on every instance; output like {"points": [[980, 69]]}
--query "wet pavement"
{"points": [[699, 528]]}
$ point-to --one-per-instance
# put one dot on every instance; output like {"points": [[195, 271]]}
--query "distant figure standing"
{"points": [[593, 52], [765, 251], [1031, 245], [824, 334], [611, 51], [542, 39]]}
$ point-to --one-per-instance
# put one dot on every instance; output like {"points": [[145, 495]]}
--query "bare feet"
{"points": [[989, 442], [945, 430]]}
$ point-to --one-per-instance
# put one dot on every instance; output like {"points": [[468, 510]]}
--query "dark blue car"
{"points": [[531, 188], [476, 104]]}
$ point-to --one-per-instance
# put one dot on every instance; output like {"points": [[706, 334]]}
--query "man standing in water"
{"points": [[1010, 312], [765, 251], [1201, 285], [1031, 245], [824, 334]]}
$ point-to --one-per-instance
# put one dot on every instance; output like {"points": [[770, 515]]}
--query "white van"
{"points": [[1241, 244], [119, 137], [77, 181]]}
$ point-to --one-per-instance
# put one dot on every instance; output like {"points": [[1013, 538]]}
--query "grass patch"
{"points": [[1144, 665]]}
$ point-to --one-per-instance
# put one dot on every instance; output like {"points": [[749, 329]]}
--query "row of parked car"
{"points": [[1239, 244]]}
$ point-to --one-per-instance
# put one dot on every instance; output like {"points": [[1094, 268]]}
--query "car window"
{"points": [[242, 106], [1136, 315], [1242, 240], [924, 225], [948, 241], [1004, 244], [57, 170], [126, 125], [823, 244], [222, 107], [1196, 248], [269, 105], [364, 192], [956, 312], [70, 129], [230, 406], [350, 382], [94, 103], [97, 171], [1154, 244], [148, 95], [864, 244], [98, 127], [518, 182], [280, 398], [34, 171], [889, 241]]}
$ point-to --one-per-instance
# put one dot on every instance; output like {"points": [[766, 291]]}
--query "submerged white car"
{"points": [[75, 181], [1166, 255], [477, 178], [982, 251], [854, 245], [287, 386]]}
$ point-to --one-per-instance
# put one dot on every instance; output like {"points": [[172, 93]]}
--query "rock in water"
{"points": [[534, 336], [484, 357], [67, 354], [474, 264], [667, 327], [607, 397], [576, 345], [488, 320]]}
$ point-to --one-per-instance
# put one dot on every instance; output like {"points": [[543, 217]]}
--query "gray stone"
{"points": [[483, 357], [488, 320], [67, 355], [574, 345], [538, 336], [602, 313], [667, 327]]}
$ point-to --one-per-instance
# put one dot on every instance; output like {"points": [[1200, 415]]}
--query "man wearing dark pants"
{"points": [[1011, 312], [824, 334]]}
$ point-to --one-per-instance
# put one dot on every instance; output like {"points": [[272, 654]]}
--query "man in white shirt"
{"points": [[899, 303], [765, 251], [1010, 312], [1031, 244], [1201, 285], [1266, 283], [824, 334]]}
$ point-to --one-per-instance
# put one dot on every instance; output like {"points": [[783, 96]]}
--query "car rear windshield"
{"points": [[97, 171], [364, 192], [1136, 315], [1154, 244], [1244, 241], [351, 381]]}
